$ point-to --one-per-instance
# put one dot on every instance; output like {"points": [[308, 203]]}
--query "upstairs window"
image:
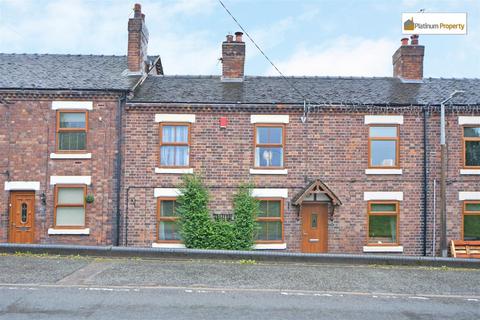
{"points": [[174, 145], [382, 223], [383, 147], [72, 131], [471, 147], [270, 221], [471, 220], [269, 146], [167, 220]]}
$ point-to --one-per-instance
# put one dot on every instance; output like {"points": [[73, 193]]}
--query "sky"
{"points": [[302, 37]]}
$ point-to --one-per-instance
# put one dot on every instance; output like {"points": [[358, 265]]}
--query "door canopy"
{"points": [[316, 191]]}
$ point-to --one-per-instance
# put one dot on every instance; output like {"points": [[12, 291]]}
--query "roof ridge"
{"points": [[206, 76], [61, 54]]}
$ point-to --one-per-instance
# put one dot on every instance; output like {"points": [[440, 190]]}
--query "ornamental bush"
{"points": [[199, 230], [245, 209], [195, 223]]}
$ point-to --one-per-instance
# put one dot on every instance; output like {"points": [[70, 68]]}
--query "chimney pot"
{"points": [[404, 41], [137, 9], [229, 38], [414, 39], [238, 36]]}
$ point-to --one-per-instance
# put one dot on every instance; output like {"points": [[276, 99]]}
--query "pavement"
{"points": [[55, 287]]}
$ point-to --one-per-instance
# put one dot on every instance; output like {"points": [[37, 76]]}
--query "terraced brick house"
{"points": [[60, 141], [340, 164]]}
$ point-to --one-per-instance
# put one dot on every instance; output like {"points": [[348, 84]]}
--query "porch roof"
{"points": [[316, 186]]}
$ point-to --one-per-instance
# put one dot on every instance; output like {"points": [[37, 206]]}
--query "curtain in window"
{"points": [[181, 134], [393, 229], [168, 134], [181, 156], [167, 155]]}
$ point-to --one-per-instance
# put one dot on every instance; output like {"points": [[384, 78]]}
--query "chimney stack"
{"points": [[137, 41], [233, 58], [408, 60]]}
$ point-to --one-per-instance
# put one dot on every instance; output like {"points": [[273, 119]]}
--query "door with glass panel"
{"points": [[314, 228], [22, 217]]}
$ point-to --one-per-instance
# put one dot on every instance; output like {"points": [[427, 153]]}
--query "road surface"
{"points": [[51, 287]]}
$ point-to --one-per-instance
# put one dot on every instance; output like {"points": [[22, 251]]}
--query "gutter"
{"points": [[296, 104], [64, 89]]}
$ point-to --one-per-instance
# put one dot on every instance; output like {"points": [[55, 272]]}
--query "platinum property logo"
{"points": [[434, 23]]}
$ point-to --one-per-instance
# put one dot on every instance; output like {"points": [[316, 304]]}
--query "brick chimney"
{"points": [[408, 60], [137, 41], [233, 58]]}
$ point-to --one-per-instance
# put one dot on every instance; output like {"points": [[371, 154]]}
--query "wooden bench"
{"points": [[465, 249]]}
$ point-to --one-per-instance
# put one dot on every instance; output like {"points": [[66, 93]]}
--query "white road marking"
{"points": [[107, 289], [223, 290], [419, 298]]}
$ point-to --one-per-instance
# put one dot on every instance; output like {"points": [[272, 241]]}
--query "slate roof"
{"points": [[99, 72], [64, 71], [384, 90]]}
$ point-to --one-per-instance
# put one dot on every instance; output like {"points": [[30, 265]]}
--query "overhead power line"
{"points": [[263, 53]]}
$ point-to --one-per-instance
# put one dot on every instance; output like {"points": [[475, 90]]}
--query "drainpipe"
{"points": [[118, 165], [425, 179], [443, 175]]}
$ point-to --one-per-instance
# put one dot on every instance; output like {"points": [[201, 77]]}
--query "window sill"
{"points": [[70, 155], [270, 246], [268, 171], [174, 170], [168, 245], [383, 249], [383, 171], [470, 171], [85, 231]]}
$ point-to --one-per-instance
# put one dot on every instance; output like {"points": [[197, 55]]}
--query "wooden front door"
{"points": [[22, 216], [314, 228]]}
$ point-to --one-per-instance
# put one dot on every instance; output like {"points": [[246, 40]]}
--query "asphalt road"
{"points": [[33, 287]]}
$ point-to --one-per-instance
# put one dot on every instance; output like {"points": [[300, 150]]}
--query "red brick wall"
{"points": [[137, 41], [332, 147], [233, 59], [27, 137], [408, 62], [455, 181]]}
